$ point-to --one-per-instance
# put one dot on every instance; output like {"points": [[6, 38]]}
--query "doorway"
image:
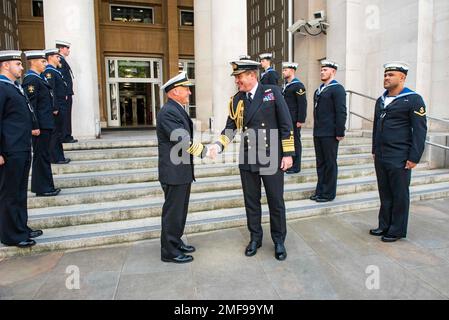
{"points": [[133, 91]]}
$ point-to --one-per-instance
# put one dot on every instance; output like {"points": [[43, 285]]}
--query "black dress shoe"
{"points": [[179, 259], [251, 249], [71, 141], [390, 238], [323, 200], [36, 234], [314, 197], [187, 249], [65, 161], [53, 193], [377, 232], [280, 252], [292, 171], [26, 244]]}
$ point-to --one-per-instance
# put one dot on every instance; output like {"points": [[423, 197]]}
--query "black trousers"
{"points": [[13, 198], [274, 188], [67, 127], [174, 216], [394, 191], [298, 149], [326, 150], [42, 177], [56, 149]]}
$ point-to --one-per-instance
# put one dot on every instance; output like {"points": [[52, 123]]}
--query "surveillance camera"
{"points": [[297, 26], [319, 15]]}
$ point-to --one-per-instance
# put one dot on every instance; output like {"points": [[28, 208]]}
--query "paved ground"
{"points": [[328, 259]]}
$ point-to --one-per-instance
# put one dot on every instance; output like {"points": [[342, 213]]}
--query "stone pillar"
{"points": [[74, 22], [172, 38], [226, 42], [203, 63]]}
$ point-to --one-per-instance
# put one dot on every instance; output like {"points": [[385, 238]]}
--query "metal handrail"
{"points": [[438, 119], [437, 145], [361, 94], [351, 92]]}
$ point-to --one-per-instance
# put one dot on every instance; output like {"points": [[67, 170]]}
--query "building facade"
{"points": [[9, 34], [124, 50]]}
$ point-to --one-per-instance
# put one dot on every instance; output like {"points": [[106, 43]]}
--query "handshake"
{"points": [[213, 151]]}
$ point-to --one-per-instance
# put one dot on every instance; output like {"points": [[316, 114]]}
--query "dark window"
{"points": [[38, 8], [132, 14], [187, 18]]}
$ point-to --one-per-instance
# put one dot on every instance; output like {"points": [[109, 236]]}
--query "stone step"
{"points": [[151, 163], [84, 236], [123, 176], [124, 153], [127, 191], [150, 140], [149, 206]]}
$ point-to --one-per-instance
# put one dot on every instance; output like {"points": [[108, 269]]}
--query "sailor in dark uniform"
{"points": [[399, 136], [67, 74], [60, 98], [40, 96], [176, 171], [267, 148], [330, 116], [269, 75], [295, 96], [17, 125]]}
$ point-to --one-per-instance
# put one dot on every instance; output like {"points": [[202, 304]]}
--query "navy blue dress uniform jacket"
{"points": [[40, 95], [296, 99], [330, 113], [59, 86], [270, 77], [268, 111], [17, 119], [173, 119], [67, 74], [400, 129]]}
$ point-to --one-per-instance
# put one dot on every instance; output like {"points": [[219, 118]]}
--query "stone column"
{"points": [[203, 63], [74, 22], [214, 50], [229, 41]]}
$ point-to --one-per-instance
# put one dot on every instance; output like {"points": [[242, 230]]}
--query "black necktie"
{"points": [[250, 97]]}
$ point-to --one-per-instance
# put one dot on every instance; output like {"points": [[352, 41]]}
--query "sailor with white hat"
{"points": [[399, 137], [295, 96], [67, 73], [17, 124], [39, 92], [269, 75]]}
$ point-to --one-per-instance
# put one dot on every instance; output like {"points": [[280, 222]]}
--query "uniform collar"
{"points": [[50, 67], [35, 74], [253, 91], [404, 93], [324, 86]]}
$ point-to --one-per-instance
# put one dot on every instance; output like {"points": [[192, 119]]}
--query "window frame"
{"points": [[180, 17], [131, 6]]}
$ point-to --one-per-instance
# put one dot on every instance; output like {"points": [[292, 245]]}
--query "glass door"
{"points": [[133, 91]]}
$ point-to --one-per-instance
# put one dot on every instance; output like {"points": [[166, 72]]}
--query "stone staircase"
{"points": [[111, 194]]}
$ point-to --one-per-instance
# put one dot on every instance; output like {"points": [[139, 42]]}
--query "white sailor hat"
{"points": [[242, 66], [181, 80], [245, 57], [267, 56], [62, 44], [10, 55], [329, 64], [290, 65], [51, 52], [35, 54], [397, 66]]}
